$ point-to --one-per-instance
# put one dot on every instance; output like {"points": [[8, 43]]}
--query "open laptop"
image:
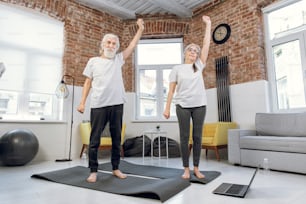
{"points": [[236, 190]]}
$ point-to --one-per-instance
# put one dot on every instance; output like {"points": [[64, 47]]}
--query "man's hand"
{"points": [[140, 24]]}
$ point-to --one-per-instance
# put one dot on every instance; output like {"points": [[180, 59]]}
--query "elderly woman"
{"points": [[190, 99]]}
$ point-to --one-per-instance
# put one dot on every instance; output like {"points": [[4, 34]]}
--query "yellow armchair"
{"points": [[214, 136], [105, 143]]}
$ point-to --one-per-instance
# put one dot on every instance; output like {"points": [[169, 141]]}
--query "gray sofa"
{"points": [[280, 137]]}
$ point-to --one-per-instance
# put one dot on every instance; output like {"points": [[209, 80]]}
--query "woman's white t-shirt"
{"points": [[107, 83], [190, 88]]}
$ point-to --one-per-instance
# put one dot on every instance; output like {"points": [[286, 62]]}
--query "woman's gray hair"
{"points": [[197, 47], [106, 37]]}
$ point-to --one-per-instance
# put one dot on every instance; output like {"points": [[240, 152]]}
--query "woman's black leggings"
{"points": [[197, 114]]}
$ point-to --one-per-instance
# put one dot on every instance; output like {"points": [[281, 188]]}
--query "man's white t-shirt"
{"points": [[190, 88], [107, 83]]}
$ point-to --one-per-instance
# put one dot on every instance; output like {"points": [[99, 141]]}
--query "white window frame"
{"points": [[291, 35], [159, 81]]}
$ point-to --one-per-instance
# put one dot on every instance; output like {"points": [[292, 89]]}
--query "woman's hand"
{"points": [[206, 19], [166, 113]]}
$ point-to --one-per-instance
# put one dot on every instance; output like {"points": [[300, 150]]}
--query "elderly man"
{"points": [[104, 76]]}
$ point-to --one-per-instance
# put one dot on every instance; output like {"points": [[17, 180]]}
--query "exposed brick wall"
{"points": [[84, 28], [245, 48]]}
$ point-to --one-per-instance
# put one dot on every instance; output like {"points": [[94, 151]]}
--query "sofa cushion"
{"points": [[274, 143], [281, 124]]}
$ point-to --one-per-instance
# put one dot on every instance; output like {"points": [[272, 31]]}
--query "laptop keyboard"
{"points": [[235, 189]]}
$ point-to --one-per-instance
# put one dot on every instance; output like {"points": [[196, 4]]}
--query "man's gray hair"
{"points": [[106, 37]]}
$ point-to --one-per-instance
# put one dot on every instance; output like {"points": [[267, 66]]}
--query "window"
{"points": [[154, 61], [286, 45], [31, 49]]}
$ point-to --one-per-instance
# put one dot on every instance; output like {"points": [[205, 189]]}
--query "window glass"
{"points": [[46, 70], [40, 104], [31, 49], [287, 18], [166, 73], [155, 59], [148, 97], [285, 24], [28, 29], [161, 53], [14, 61], [289, 75], [8, 102]]}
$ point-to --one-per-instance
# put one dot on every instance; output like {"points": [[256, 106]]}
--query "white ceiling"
{"points": [[128, 9]]}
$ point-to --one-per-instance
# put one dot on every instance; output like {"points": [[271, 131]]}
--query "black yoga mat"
{"points": [[158, 172], [161, 189]]}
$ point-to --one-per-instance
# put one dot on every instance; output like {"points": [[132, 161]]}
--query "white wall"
{"points": [[51, 137], [246, 100]]}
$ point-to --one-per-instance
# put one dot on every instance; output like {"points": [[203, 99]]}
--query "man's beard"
{"points": [[109, 53]]}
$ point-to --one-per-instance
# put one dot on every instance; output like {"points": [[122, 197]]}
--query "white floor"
{"points": [[273, 187]]}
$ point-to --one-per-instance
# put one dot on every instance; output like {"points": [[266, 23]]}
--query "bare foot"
{"points": [[186, 174], [119, 174], [92, 178], [198, 174]]}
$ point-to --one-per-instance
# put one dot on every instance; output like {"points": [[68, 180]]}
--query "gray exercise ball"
{"points": [[18, 147]]}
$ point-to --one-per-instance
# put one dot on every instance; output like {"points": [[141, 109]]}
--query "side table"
{"points": [[154, 134]]}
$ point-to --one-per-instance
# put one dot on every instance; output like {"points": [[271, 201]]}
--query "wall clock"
{"points": [[221, 33]]}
